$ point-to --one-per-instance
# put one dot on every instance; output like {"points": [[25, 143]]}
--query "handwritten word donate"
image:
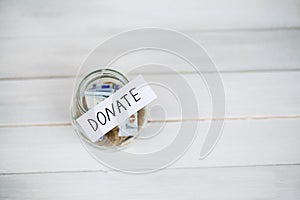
{"points": [[116, 108]]}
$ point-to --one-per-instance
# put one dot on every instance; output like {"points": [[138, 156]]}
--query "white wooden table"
{"points": [[256, 46]]}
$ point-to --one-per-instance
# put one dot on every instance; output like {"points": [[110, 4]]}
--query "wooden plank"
{"points": [[19, 19], [40, 148], [231, 51], [243, 143], [43, 101], [279, 182]]}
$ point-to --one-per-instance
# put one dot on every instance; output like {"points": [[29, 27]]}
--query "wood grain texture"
{"points": [[243, 143], [31, 18], [231, 51], [247, 94], [41, 39], [224, 183]]}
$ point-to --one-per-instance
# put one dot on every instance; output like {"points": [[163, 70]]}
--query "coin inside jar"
{"points": [[95, 88]]}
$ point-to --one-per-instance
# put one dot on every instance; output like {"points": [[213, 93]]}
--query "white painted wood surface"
{"points": [[43, 101], [274, 182], [79, 17], [255, 45], [243, 143], [61, 56]]}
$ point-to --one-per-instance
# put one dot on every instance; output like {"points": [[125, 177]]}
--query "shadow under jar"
{"points": [[95, 88]]}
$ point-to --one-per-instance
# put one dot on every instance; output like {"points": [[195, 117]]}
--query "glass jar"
{"points": [[95, 88]]}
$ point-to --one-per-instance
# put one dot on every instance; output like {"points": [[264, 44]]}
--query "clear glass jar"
{"points": [[94, 88]]}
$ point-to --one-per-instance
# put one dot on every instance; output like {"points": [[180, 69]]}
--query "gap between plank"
{"points": [[165, 121], [186, 32], [154, 73], [228, 118], [169, 169]]}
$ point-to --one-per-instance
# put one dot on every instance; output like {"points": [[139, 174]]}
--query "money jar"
{"points": [[92, 90]]}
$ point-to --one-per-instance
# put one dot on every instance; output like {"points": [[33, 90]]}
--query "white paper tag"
{"points": [[116, 108]]}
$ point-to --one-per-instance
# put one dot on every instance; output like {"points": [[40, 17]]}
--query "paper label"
{"points": [[115, 109]]}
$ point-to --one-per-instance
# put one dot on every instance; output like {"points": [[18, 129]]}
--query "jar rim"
{"points": [[94, 75]]}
